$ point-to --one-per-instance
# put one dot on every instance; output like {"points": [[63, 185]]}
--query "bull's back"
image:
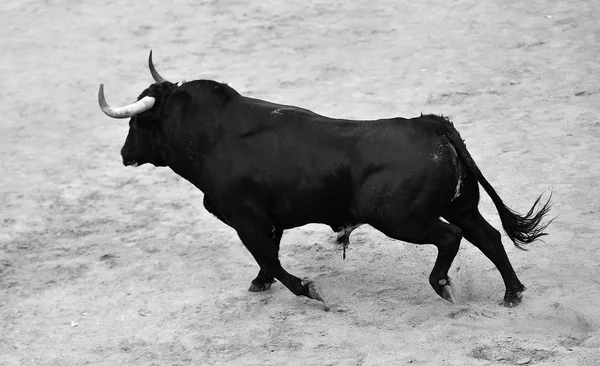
{"points": [[310, 168]]}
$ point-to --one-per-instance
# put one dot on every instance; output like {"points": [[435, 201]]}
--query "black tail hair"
{"points": [[521, 229]]}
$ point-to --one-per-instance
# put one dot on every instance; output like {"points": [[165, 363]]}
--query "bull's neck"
{"points": [[190, 169]]}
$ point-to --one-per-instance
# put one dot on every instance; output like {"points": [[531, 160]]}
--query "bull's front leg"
{"points": [[262, 240], [263, 280]]}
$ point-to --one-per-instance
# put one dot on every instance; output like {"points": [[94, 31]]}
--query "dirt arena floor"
{"points": [[102, 264]]}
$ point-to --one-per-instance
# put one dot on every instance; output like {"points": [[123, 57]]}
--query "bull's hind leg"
{"points": [[481, 234], [446, 237]]}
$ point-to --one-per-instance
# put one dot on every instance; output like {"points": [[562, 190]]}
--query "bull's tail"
{"points": [[521, 229]]}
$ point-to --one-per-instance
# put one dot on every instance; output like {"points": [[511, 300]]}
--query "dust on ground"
{"points": [[105, 265]]}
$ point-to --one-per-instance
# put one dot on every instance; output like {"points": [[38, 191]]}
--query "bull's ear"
{"points": [[160, 91]]}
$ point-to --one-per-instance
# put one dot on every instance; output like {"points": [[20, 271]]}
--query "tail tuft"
{"points": [[525, 229], [521, 229]]}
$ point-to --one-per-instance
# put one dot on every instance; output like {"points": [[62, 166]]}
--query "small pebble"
{"points": [[144, 312]]}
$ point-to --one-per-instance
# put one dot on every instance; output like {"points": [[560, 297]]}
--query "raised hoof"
{"points": [[512, 299], [448, 294], [260, 287], [313, 292], [447, 290]]}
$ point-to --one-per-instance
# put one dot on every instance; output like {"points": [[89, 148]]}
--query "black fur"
{"points": [[265, 167]]}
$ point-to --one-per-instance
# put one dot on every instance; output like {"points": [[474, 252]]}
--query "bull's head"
{"points": [[144, 125]]}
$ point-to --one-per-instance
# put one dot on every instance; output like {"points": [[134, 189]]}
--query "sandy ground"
{"points": [[105, 265]]}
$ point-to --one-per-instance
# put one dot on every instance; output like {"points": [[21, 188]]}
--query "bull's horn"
{"points": [[155, 75], [127, 111]]}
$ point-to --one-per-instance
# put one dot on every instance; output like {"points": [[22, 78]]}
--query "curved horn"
{"points": [[155, 75], [127, 111]]}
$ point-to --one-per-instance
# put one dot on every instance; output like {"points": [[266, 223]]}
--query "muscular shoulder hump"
{"points": [[210, 89]]}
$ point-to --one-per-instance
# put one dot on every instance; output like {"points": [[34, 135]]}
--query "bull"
{"points": [[264, 168]]}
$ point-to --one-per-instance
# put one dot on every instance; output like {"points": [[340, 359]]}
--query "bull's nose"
{"points": [[130, 163]]}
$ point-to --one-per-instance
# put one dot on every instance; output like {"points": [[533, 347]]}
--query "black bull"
{"points": [[265, 168]]}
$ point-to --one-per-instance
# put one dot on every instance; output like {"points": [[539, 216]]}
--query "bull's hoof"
{"points": [[257, 286], [313, 292], [513, 298], [447, 292], [511, 302]]}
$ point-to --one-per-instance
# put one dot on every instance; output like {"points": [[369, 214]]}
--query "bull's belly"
{"points": [[336, 212]]}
